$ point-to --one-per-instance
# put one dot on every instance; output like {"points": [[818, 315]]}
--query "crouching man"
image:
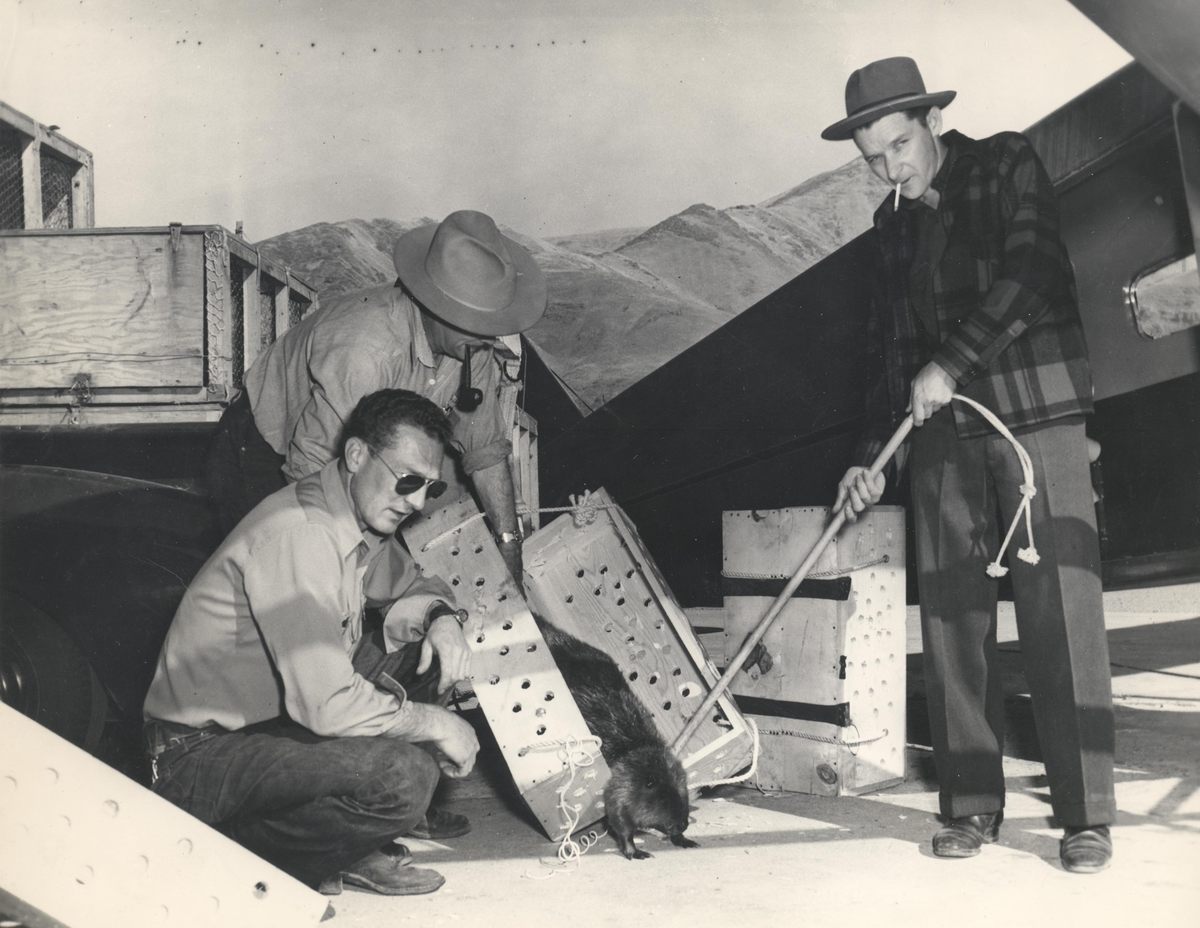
{"points": [[259, 721]]}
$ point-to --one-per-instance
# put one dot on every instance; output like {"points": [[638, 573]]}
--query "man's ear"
{"points": [[355, 455], [934, 120]]}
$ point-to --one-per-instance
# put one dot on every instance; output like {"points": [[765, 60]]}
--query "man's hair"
{"points": [[919, 114], [378, 415]]}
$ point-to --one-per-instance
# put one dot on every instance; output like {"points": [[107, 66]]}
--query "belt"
{"points": [[169, 736]]}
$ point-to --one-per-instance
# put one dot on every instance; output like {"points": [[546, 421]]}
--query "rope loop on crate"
{"points": [[575, 755], [583, 511]]}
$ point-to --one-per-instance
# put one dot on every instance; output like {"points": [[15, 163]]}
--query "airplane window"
{"points": [[1165, 298]]}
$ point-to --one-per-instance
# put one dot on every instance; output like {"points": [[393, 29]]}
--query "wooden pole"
{"points": [[776, 607]]}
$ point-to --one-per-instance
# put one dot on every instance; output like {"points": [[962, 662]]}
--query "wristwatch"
{"points": [[460, 615], [507, 538]]}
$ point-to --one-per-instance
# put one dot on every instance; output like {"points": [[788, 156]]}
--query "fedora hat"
{"points": [[883, 87], [469, 275]]}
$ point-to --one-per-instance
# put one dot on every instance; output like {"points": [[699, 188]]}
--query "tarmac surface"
{"points": [[800, 859], [797, 859]]}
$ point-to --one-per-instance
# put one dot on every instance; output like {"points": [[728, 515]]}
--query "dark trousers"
{"points": [[310, 805], [965, 493], [241, 469]]}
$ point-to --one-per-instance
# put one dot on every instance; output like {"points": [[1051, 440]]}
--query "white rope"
{"points": [[583, 512], [823, 739], [1028, 490], [813, 575], [574, 755]]}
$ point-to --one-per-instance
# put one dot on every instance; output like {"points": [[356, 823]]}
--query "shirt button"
{"points": [[431, 381]]}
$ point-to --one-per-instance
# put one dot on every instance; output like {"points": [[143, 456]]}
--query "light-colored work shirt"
{"points": [[270, 623], [305, 384]]}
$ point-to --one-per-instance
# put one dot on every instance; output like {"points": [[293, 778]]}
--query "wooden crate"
{"points": [[101, 326], [831, 705], [597, 581], [522, 694], [46, 180], [524, 465]]}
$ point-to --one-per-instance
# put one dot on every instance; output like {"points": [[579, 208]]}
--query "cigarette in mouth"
{"points": [[896, 204]]}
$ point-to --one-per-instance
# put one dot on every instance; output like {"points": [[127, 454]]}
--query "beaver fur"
{"points": [[648, 788]]}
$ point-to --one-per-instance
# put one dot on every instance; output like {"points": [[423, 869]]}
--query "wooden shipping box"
{"points": [[591, 575], [829, 698], [102, 326], [529, 710], [594, 579]]}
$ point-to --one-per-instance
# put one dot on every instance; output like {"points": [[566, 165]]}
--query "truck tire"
{"points": [[45, 676]]}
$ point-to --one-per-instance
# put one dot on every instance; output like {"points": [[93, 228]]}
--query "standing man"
{"points": [[975, 295], [258, 721], [461, 285]]}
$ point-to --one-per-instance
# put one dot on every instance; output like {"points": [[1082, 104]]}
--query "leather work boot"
{"points": [[964, 836], [386, 872], [1086, 850], [439, 823]]}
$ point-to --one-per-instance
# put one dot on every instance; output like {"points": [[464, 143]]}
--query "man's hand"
{"points": [[932, 389], [445, 639], [453, 740], [856, 491], [457, 743]]}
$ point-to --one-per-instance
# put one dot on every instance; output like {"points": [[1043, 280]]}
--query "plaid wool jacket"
{"points": [[1004, 292]]}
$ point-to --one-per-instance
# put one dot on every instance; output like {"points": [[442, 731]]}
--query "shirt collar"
{"points": [[943, 175], [350, 538], [508, 345], [961, 152], [420, 338]]}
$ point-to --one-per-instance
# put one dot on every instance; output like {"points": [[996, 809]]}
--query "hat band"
{"points": [[878, 104]]}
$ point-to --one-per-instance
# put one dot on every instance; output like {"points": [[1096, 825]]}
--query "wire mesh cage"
{"points": [[266, 310], [12, 191], [46, 180], [297, 307], [58, 206], [238, 271]]}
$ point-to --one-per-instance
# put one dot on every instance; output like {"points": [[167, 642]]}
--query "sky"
{"points": [[554, 116]]}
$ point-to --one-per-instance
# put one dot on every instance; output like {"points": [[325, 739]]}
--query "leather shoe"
{"points": [[440, 823], [1086, 850], [384, 872], [964, 836]]}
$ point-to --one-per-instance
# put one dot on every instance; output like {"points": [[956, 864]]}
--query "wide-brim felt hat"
{"points": [[468, 274], [885, 86]]}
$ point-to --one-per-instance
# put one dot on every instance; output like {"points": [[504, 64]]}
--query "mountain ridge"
{"points": [[622, 302]]}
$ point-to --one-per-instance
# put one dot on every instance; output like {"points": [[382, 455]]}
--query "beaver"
{"points": [[648, 788]]}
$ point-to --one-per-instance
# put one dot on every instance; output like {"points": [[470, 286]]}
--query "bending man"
{"points": [[461, 285]]}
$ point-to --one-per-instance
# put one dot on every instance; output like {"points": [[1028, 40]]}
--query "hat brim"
{"points": [[844, 128], [526, 307]]}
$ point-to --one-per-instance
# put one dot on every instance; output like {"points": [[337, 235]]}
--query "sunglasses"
{"points": [[408, 484]]}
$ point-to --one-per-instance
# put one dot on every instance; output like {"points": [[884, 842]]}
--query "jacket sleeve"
{"points": [[1030, 274], [293, 584]]}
